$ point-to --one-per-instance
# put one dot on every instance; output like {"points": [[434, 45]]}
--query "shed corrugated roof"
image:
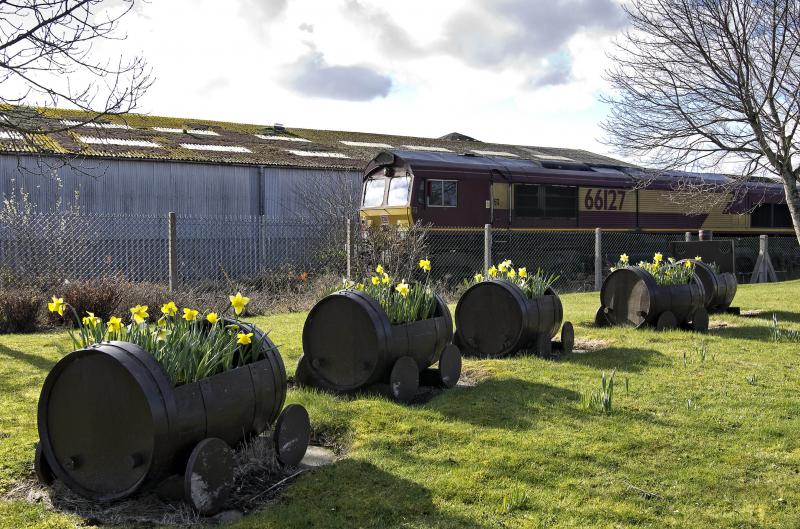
{"points": [[248, 144]]}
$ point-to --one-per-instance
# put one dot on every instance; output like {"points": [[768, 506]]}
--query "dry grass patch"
{"points": [[584, 344]]}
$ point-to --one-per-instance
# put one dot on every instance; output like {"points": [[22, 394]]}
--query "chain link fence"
{"points": [[211, 251], [208, 250]]}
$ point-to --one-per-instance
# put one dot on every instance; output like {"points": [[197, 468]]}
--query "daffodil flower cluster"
{"points": [[533, 285], [188, 346], [403, 302], [665, 273]]}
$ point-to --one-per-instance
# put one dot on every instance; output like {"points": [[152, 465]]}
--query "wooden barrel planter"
{"points": [[631, 297], [111, 423], [495, 318], [720, 288], [349, 344]]}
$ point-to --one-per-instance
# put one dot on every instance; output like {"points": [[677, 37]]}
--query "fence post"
{"points": [[687, 236], [487, 249], [763, 272], [349, 250], [172, 243], [598, 259], [705, 235]]}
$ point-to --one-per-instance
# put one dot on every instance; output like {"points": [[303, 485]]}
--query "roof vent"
{"points": [[457, 136], [278, 127]]}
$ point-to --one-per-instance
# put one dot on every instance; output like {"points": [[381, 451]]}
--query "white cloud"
{"points": [[252, 64]]}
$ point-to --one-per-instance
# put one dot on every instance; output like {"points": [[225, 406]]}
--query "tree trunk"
{"points": [[792, 200]]}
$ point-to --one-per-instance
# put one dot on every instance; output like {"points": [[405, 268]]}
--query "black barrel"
{"points": [[110, 421], [495, 318], [349, 342], [720, 288], [630, 296]]}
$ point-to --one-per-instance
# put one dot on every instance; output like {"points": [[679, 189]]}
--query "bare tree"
{"points": [[702, 84], [47, 58], [327, 197]]}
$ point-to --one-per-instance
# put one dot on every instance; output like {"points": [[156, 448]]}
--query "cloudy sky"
{"points": [[515, 71]]}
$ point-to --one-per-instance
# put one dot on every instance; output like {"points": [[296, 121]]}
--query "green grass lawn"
{"points": [[701, 441]]}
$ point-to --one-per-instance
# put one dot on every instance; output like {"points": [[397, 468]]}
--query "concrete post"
{"points": [[348, 246], [172, 244], [487, 249], [598, 259], [687, 236]]}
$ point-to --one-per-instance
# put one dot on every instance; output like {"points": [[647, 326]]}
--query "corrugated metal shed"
{"points": [[139, 187]]}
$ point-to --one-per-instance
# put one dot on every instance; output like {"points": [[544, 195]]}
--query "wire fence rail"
{"points": [[212, 250]]}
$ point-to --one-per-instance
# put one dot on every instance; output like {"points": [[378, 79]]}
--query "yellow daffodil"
{"points": [[505, 265], [161, 335], [478, 278], [511, 273], [688, 264], [90, 320], [57, 305], [376, 280], [139, 313], [425, 264], [239, 302], [190, 314], [623, 258], [671, 260], [523, 272], [698, 258], [161, 322], [212, 317], [403, 289], [657, 258], [493, 271], [244, 338], [360, 286], [385, 279], [170, 309], [379, 269], [114, 324]]}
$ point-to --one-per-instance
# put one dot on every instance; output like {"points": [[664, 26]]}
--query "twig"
{"points": [[646, 493], [276, 485]]}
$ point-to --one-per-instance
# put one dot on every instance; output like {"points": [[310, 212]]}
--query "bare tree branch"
{"points": [[710, 84], [47, 58]]}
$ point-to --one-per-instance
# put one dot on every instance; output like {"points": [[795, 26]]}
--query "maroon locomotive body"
{"points": [[448, 190]]}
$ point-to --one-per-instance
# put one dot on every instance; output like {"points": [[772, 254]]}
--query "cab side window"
{"points": [[771, 216], [442, 193]]}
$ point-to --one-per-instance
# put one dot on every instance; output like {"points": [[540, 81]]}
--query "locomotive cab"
{"points": [[385, 199], [398, 193], [386, 194]]}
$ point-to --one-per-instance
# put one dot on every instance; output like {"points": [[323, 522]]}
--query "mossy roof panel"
{"points": [[262, 151]]}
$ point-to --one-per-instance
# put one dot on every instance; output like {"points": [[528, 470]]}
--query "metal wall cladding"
{"points": [[151, 187]]}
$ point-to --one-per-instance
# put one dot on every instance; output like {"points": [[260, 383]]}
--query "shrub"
{"points": [[100, 296], [19, 310], [152, 295]]}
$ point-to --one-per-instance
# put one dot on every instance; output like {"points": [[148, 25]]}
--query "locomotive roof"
{"points": [[139, 136]]}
